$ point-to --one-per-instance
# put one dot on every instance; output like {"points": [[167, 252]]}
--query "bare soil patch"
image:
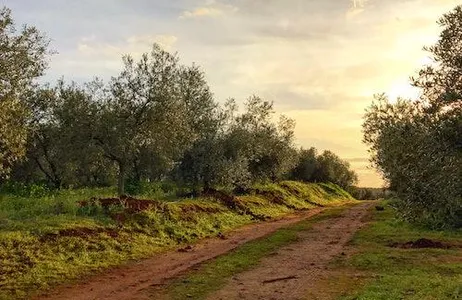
{"points": [[131, 204], [82, 232]]}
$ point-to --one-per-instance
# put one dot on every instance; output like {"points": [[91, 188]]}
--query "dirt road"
{"points": [[130, 281], [303, 262], [296, 271]]}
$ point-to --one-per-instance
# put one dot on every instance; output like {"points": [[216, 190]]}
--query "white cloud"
{"points": [[133, 45], [211, 9], [94, 57], [202, 12], [146, 41]]}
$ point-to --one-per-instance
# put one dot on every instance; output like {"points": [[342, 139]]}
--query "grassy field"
{"points": [[390, 267], [49, 239]]}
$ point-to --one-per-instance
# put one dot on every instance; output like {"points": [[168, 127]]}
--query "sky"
{"points": [[320, 61]]}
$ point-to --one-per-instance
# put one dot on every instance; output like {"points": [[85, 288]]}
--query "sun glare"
{"points": [[402, 89]]}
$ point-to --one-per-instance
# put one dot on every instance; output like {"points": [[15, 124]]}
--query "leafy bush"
{"points": [[25, 190]]}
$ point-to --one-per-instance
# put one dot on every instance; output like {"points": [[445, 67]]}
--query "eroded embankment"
{"points": [[109, 232]]}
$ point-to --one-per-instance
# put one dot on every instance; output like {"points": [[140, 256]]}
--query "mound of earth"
{"points": [[421, 243]]}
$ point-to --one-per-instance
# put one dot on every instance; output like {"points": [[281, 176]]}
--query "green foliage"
{"points": [[152, 190], [307, 164], [417, 158], [24, 190], [333, 169], [245, 149], [267, 147], [361, 193], [136, 127], [395, 273], [416, 144], [60, 151], [13, 133]]}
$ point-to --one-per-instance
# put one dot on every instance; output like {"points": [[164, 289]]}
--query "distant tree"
{"points": [[266, 145], [211, 161], [332, 168], [22, 59], [327, 167], [244, 148], [362, 193]]}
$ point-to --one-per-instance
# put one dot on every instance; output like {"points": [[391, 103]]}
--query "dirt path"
{"points": [[131, 281], [296, 271]]}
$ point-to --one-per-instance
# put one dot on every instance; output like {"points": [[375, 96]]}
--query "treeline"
{"points": [[156, 120], [417, 145]]}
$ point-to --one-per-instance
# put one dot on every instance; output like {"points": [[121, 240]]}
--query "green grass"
{"points": [[33, 257], [213, 275], [395, 273]]}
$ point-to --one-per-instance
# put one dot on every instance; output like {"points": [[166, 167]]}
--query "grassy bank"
{"points": [[50, 239], [391, 264]]}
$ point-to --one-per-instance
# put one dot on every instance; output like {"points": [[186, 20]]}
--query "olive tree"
{"points": [[23, 58], [156, 108], [60, 147], [417, 144], [244, 148], [326, 167], [266, 144]]}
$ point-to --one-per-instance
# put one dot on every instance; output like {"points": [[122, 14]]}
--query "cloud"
{"points": [[146, 41], [212, 9], [200, 12], [133, 45], [95, 57]]}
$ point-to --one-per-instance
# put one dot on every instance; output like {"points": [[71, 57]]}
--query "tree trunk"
{"points": [[136, 171], [52, 178], [121, 180]]}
